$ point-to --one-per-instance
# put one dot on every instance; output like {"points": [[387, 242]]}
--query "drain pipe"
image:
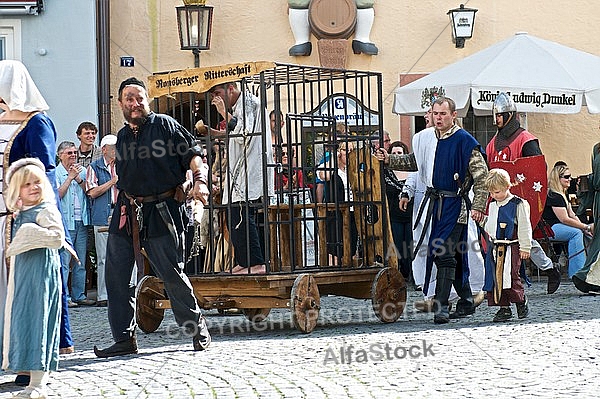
{"points": [[103, 66]]}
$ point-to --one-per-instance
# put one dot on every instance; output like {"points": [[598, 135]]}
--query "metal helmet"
{"points": [[503, 103]]}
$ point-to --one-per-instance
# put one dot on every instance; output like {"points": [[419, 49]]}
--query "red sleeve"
{"points": [[300, 179]]}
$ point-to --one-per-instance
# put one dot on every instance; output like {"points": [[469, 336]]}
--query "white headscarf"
{"points": [[18, 90]]}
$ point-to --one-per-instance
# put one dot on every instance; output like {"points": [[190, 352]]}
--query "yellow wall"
{"points": [[413, 36]]}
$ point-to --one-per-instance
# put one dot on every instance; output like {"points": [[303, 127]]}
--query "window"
{"points": [[481, 127], [10, 39], [419, 122]]}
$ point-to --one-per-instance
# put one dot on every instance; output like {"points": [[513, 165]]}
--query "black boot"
{"points": [[584, 286], [465, 305], [22, 380], [121, 348], [553, 279], [202, 337], [443, 285], [523, 308]]}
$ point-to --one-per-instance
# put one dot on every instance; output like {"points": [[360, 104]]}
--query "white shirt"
{"points": [[245, 153], [524, 234]]}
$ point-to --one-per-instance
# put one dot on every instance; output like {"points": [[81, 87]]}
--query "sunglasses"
{"points": [[565, 177]]}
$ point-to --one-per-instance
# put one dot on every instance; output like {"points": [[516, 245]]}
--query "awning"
{"points": [[540, 75]]}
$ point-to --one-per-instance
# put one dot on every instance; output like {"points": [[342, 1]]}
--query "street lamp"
{"points": [[194, 22], [462, 20]]}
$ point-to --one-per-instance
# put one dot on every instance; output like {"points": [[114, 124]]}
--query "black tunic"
{"points": [[150, 163]]}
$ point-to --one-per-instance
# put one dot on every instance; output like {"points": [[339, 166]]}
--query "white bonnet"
{"points": [[22, 163]]}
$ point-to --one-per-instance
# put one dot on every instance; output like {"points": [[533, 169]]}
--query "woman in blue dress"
{"points": [[27, 131]]}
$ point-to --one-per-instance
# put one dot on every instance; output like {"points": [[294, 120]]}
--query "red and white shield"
{"points": [[528, 176]]}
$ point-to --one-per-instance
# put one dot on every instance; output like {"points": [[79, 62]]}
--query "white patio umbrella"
{"points": [[540, 75]]}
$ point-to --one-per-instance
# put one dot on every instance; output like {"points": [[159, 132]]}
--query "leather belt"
{"points": [[431, 195], [136, 210], [152, 198]]}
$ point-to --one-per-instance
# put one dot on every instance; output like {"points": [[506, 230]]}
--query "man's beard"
{"points": [[139, 121]]}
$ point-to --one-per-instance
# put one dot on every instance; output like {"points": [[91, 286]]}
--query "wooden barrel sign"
{"points": [[332, 19]]}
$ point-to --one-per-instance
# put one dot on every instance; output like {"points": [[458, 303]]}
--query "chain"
{"points": [[139, 215], [196, 242]]}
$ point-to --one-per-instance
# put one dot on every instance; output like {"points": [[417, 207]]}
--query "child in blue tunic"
{"points": [[508, 220], [32, 318]]}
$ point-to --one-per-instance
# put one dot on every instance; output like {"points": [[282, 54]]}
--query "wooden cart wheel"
{"points": [[256, 315], [148, 317], [388, 294], [305, 303]]}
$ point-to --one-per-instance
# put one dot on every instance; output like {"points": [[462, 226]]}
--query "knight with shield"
{"points": [[517, 151]]}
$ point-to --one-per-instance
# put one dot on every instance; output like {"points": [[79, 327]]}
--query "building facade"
{"points": [[56, 40], [61, 44]]}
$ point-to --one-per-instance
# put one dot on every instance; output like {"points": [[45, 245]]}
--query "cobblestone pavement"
{"points": [[553, 353]]}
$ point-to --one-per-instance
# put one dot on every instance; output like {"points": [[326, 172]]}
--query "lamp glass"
{"points": [[194, 24], [463, 20], [463, 24]]}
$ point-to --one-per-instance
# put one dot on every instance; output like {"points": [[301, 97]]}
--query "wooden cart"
{"points": [[301, 293], [297, 232]]}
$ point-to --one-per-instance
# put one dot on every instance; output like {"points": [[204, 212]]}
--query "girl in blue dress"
{"points": [[31, 332]]}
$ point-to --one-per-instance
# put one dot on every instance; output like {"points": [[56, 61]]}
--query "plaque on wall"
{"points": [[332, 53]]}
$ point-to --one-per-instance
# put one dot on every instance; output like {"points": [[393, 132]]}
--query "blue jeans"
{"points": [[79, 237], [574, 236], [66, 339]]}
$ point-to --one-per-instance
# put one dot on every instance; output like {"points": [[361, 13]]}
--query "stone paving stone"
{"points": [[554, 353]]}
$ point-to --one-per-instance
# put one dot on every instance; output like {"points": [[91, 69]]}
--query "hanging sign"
{"points": [[344, 108], [200, 80]]}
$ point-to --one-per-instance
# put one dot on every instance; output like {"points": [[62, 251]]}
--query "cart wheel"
{"points": [[148, 317], [305, 303], [388, 295], [256, 315]]}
